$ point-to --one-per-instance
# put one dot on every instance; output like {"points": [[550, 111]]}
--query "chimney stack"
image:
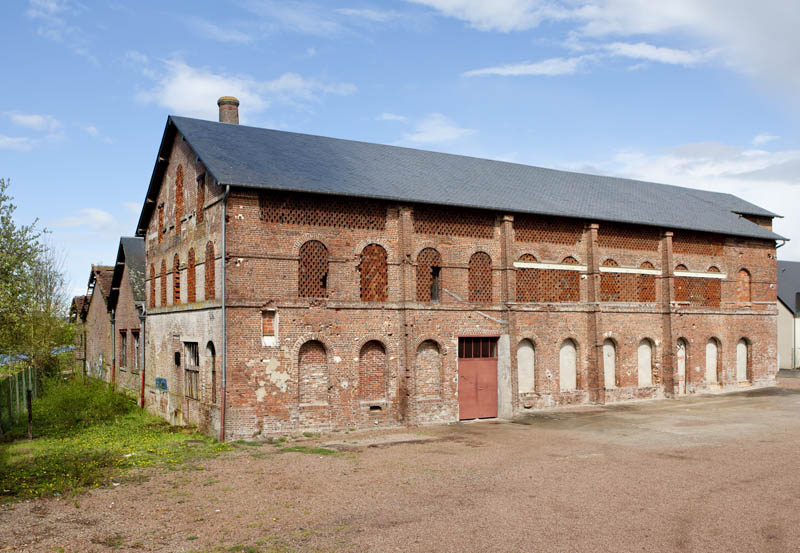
{"points": [[228, 110]]}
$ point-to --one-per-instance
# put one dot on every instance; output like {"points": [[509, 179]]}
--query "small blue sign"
{"points": [[161, 384]]}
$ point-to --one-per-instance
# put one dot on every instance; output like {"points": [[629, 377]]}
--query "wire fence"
{"points": [[13, 389]]}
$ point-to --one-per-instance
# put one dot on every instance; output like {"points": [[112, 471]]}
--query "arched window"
{"points": [[526, 280], [526, 376], [191, 278], [712, 361], [312, 274], [645, 363], [480, 278], [211, 353], [609, 364], [201, 198], [374, 277], [160, 223], [681, 268], [372, 372], [743, 360], [743, 286], [163, 282], [610, 285], [152, 286], [646, 284], [429, 266], [178, 198], [176, 280], [210, 285], [568, 366], [312, 378], [429, 370], [681, 359]]}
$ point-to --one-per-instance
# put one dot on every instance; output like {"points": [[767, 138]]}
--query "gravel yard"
{"points": [[713, 473]]}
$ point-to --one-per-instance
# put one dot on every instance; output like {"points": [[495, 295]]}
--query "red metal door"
{"points": [[477, 378]]}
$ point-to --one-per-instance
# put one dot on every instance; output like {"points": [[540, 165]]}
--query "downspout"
{"points": [[142, 345], [224, 320]]}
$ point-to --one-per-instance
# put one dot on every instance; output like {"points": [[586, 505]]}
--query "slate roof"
{"points": [[239, 155], [100, 278], [79, 308], [130, 253], [789, 284]]}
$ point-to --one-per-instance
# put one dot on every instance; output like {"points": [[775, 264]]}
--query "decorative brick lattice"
{"points": [[526, 280], [201, 199], [743, 286], [351, 213], [697, 243], [429, 370], [429, 263], [312, 377], [528, 228], [548, 285], [698, 292], [152, 286], [372, 372], [313, 270], [480, 278], [627, 287], [450, 222], [569, 261], [374, 277], [628, 237], [210, 288], [178, 198], [191, 278], [176, 280], [163, 282]]}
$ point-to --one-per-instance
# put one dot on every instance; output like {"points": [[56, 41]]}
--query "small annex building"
{"points": [[297, 282], [126, 303], [98, 352], [78, 310], [789, 314]]}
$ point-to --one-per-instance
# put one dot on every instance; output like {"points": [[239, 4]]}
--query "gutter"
{"points": [[224, 320]]}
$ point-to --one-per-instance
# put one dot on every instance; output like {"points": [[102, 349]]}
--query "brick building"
{"points": [[126, 301], [299, 282], [98, 353], [78, 310]]}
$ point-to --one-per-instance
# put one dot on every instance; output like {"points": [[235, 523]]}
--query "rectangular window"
{"points": [[135, 334], [269, 323], [191, 370], [123, 344]]}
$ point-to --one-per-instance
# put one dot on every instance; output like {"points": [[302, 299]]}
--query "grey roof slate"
{"points": [[245, 156], [130, 253], [789, 284]]}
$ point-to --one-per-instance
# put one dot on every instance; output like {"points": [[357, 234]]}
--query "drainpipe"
{"points": [[224, 320], [113, 348], [142, 357]]}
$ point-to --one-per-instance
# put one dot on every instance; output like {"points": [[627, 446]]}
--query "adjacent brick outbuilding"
{"points": [[297, 282]]}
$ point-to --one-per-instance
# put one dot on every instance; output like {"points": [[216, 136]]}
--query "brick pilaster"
{"points": [[406, 384], [667, 292], [594, 377]]}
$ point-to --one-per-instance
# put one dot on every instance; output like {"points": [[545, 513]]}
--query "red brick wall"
{"points": [[126, 319]]}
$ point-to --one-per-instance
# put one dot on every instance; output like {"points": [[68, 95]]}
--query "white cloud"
{"points": [[768, 179], [35, 121], [293, 16], [17, 143], [764, 138], [53, 18], [376, 16], [436, 128], [194, 91], [645, 51], [498, 15], [91, 218], [386, 116], [228, 33], [91, 130], [550, 67]]}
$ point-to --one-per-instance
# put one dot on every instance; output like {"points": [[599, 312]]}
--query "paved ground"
{"points": [[702, 474]]}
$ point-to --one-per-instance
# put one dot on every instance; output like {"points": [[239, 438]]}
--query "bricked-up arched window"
{"points": [[160, 223], [191, 278], [176, 280], [480, 278], [611, 285], [163, 282], [372, 372], [526, 280], [312, 373], [429, 267], [743, 286], [209, 265], [178, 198], [374, 277], [312, 274], [646, 284], [645, 363], [429, 370], [201, 198], [152, 286]]}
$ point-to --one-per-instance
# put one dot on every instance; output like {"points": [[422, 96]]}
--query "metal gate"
{"points": [[477, 378]]}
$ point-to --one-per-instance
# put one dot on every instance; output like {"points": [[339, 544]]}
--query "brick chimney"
{"points": [[228, 110]]}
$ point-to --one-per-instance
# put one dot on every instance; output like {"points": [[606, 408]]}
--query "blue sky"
{"points": [[701, 93]]}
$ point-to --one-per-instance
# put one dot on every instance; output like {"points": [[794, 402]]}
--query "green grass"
{"points": [[86, 435]]}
